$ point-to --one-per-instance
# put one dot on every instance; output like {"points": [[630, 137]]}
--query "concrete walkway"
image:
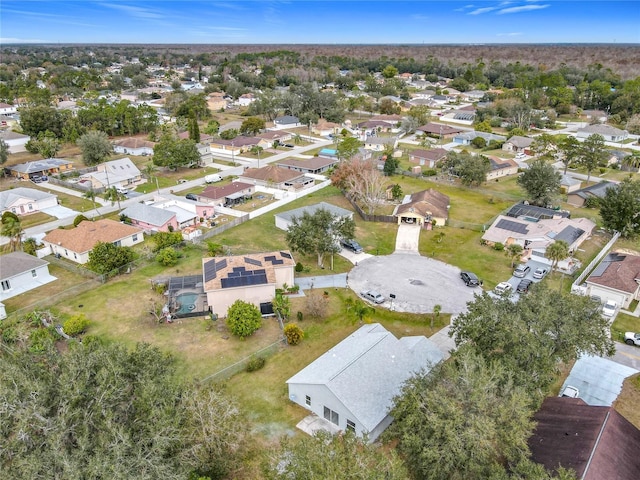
{"points": [[339, 280], [408, 239], [443, 341]]}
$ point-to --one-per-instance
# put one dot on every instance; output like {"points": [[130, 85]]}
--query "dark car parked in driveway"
{"points": [[352, 245], [470, 279], [191, 196], [524, 285]]}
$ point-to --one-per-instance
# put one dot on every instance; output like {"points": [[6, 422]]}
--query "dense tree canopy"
{"points": [[620, 208], [172, 153], [106, 257], [541, 182], [102, 411], [95, 147]]}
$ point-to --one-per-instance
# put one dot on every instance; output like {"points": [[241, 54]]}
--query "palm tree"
{"points": [[556, 252], [12, 228], [91, 195], [112, 195], [257, 150], [514, 250], [297, 139], [436, 313], [632, 161], [358, 309]]}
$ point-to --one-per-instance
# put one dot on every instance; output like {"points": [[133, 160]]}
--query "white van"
{"points": [[213, 178], [120, 189]]}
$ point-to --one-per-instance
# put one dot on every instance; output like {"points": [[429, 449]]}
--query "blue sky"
{"points": [[327, 22]]}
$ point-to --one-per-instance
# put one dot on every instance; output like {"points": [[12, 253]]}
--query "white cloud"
{"points": [[139, 12], [522, 8], [7, 40], [480, 11]]}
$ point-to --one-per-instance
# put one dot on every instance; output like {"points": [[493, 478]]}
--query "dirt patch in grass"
{"points": [[629, 399]]}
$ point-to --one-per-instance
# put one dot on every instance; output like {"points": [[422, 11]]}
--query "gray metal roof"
{"points": [[15, 263], [311, 209], [148, 214], [39, 165], [367, 369], [7, 197]]}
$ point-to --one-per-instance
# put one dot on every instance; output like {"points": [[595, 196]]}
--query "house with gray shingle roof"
{"points": [[150, 218], [47, 166], [352, 385], [284, 219], [21, 272], [597, 190], [610, 134], [23, 201], [517, 144]]}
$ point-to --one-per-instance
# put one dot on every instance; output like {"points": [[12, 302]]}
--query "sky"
{"points": [[319, 21]]}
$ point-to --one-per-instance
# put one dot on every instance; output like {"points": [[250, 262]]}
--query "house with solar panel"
{"points": [[351, 387], [252, 278]]}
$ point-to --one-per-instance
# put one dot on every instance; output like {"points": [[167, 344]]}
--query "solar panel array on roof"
{"points": [[541, 213], [512, 226], [252, 278], [251, 261], [608, 260], [570, 234], [464, 116], [285, 254], [270, 258], [209, 270]]}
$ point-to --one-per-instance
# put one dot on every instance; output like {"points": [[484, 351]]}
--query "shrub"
{"points": [[243, 318], [41, 340], [429, 172], [75, 325], [498, 246], [300, 316], [592, 202], [255, 363], [293, 333], [299, 267], [167, 257], [78, 220]]}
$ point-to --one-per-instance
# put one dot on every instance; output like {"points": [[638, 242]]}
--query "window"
{"points": [[332, 416], [117, 243], [6, 285], [34, 273], [135, 237], [31, 206], [351, 426], [307, 400]]}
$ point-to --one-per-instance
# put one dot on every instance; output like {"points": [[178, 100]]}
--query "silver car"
{"points": [[373, 296]]}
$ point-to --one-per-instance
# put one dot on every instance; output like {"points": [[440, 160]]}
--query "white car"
{"points": [[540, 272], [503, 287], [609, 308], [632, 338], [571, 392]]}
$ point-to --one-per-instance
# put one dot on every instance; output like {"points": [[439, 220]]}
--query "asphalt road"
{"points": [[628, 355]]}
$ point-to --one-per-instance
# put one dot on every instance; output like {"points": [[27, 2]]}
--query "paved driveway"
{"points": [[60, 212], [407, 238], [418, 282]]}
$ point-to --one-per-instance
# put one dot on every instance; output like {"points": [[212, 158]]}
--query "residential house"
{"points": [[227, 195], [185, 209], [286, 121], [568, 184], [276, 177], [375, 126], [425, 208], [610, 134], [15, 141], [598, 190], [473, 95], [284, 219], [379, 144], [134, 146], [23, 201], [6, 109], [501, 167], [204, 138], [324, 128], [150, 218], [536, 235], [252, 278], [439, 130], [316, 165], [524, 211], [427, 158], [352, 386], [234, 146], [121, 172], [233, 125], [21, 272], [38, 168], [463, 116], [217, 102], [594, 441], [467, 137], [616, 278], [391, 120], [595, 115], [246, 99], [76, 243], [270, 137], [517, 144]]}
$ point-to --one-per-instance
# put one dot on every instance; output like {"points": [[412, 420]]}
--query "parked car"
{"points": [[521, 155], [191, 196], [503, 287], [521, 270], [39, 178], [287, 145], [540, 272], [213, 178], [570, 391], [470, 279], [609, 308], [524, 285], [631, 338], [373, 296], [352, 245]]}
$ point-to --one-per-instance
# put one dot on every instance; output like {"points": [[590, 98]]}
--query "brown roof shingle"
{"points": [[618, 271], [427, 202], [84, 237], [216, 193], [271, 173]]}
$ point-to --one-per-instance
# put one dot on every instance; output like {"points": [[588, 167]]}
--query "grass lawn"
{"points": [[624, 323], [627, 402], [70, 201], [37, 218]]}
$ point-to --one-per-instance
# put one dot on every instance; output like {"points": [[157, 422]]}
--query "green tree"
{"points": [[348, 147], [167, 257], [41, 118], [514, 251], [106, 257], [75, 325], [4, 152], [592, 153], [111, 412], [282, 305], [91, 195], [194, 129], [293, 333], [212, 128], [78, 219], [389, 71], [173, 153], [214, 249], [465, 418], [620, 208], [541, 182], [532, 337], [243, 319], [112, 195], [358, 309], [473, 170], [391, 164], [11, 228], [556, 252], [543, 144], [166, 239], [396, 192], [436, 314], [95, 147], [479, 142], [570, 148], [324, 456], [46, 145], [484, 126], [318, 233], [252, 126]]}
